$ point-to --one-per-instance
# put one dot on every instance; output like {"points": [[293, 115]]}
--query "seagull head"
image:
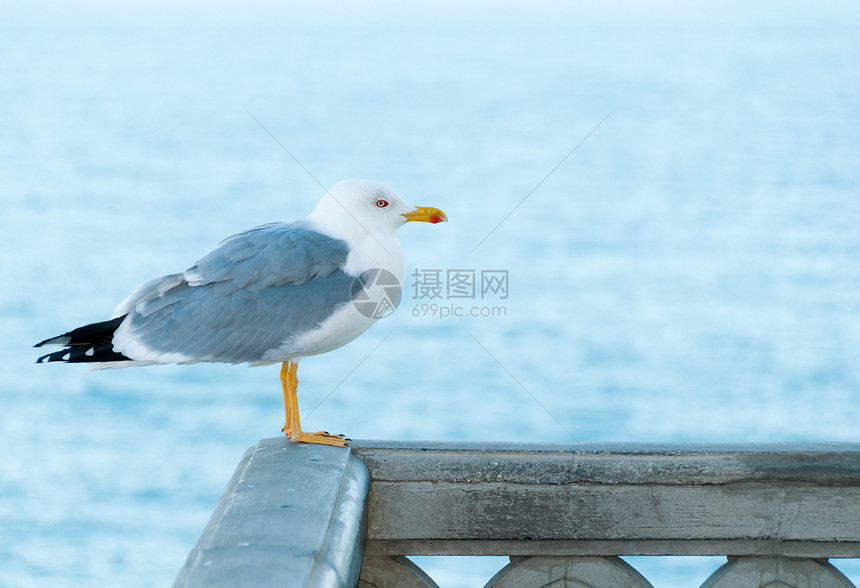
{"points": [[359, 207]]}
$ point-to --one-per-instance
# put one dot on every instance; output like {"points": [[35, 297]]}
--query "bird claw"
{"points": [[320, 438], [327, 435]]}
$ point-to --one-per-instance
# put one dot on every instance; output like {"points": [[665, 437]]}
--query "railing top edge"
{"points": [[360, 446]]}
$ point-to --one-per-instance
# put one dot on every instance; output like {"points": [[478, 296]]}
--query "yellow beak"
{"points": [[426, 214]]}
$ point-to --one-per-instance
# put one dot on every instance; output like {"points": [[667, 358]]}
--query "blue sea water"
{"points": [[689, 272]]}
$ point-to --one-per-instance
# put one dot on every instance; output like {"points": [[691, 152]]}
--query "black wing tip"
{"points": [[83, 354], [54, 341], [87, 344], [52, 357]]}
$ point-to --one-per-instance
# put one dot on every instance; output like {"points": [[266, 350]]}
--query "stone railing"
{"points": [[313, 516]]}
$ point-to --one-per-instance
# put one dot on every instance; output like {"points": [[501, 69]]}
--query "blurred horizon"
{"points": [[446, 12]]}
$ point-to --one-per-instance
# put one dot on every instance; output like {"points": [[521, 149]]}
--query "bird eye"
{"points": [[381, 203]]}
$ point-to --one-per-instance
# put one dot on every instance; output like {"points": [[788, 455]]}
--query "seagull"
{"points": [[273, 294]]}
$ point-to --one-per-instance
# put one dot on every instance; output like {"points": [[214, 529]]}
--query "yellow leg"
{"points": [[288, 408], [292, 424], [293, 387]]}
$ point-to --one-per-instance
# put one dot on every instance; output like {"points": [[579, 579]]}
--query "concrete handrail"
{"points": [[292, 515], [577, 502]]}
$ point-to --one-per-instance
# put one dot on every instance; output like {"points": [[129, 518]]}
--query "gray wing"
{"points": [[255, 291], [269, 255]]}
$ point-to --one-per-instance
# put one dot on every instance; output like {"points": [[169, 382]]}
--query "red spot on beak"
{"points": [[436, 219]]}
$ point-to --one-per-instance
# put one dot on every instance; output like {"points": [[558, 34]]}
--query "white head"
{"points": [[354, 208]]}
